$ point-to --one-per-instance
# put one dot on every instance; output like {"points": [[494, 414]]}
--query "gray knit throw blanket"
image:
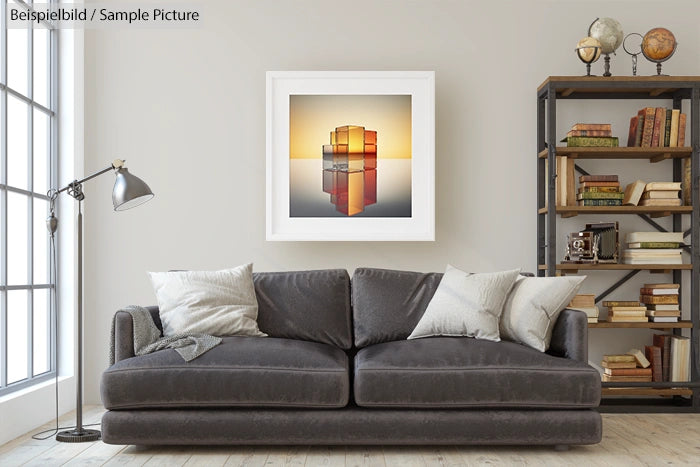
{"points": [[147, 337]]}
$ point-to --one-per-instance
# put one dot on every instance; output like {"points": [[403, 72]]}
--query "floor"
{"points": [[628, 440]]}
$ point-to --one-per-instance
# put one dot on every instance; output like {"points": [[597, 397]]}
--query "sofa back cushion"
{"points": [[387, 305], [306, 305]]}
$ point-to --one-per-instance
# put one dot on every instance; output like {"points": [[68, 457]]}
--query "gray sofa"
{"points": [[337, 369]]}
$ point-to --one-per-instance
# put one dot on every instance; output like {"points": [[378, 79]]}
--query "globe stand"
{"points": [[607, 66]]}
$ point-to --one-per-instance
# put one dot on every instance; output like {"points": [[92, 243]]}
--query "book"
{"points": [[615, 185], [619, 358], [570, 167], [653, 245], [660, 194], [607, 133], [591, 311], [651, 186], [656, 299], [648, 130], [662, 285], [675, 117], [602, 195], [667, 129], [632, 136], [663, 307], [664, 313], [681, 130], [652, 251], [633, 193], [660, 260], [659, 120], [598, 178], [626, 379], [685, 186], [582, 300], [561, 180], [663, 341], [627, 319], [641, 308], [653, 354], [675, 237], [660, 202], [654, 291], [639, 356], [627, 313], [592, 141], [610, 303], [600, 202], [616, 365], [628, 371], [680, 359], [592, 126], [599, 189], [640, 129], [663, 319]]}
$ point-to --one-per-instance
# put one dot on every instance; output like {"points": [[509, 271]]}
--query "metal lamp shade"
{"points": [[129, 191]]}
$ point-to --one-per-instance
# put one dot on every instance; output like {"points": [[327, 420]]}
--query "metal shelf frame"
{"points": [[676, 89]]}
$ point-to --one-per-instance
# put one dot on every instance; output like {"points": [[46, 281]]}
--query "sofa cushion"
{"points": [[306, 305], [241, 372], [387, 305], [460, 372]]}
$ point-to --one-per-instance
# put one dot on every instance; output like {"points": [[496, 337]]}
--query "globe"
{"points": [[588, 49], [658, 44], [609, 32]]}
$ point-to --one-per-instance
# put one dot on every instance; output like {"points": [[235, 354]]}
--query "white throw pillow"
{"points": [[220, 303], [533, 306], [466, 304]]}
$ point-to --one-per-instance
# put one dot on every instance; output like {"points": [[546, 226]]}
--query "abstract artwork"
{"points": [[350, 156]]}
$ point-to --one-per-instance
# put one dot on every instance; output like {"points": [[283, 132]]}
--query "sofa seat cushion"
{"points": [[240, 372], [461, 372]]}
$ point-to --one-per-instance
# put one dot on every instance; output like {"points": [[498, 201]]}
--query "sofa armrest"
{"points": [[570, 336], [124, 333]]}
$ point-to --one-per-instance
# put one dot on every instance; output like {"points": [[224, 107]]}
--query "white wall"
{"points": [[186, 108]]}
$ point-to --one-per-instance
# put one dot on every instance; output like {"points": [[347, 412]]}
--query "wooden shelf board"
{"points": [[646, 391], [618, 267], [656, 211], [653, 154], [650, 86], [648, 325]]}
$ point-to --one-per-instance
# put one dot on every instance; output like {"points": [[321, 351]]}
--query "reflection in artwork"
{"points": [[335, 166], [350, 169]]}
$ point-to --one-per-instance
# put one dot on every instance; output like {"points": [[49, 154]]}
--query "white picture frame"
{"points": [[420, 225]]}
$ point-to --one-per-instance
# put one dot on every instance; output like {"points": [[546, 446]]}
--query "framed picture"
{"points": [[350, 156]]}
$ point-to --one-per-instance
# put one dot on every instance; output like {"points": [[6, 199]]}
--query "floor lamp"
{"points": [[129, 191]]}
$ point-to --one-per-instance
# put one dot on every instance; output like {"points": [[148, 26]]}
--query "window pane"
{"points": [[41, 65], [16, 335], [17, 59], [42, 329], [41, 242], [17, 238], [41, 152], [17, 150]]}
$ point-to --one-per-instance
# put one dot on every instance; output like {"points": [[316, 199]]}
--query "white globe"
{"points": [[609, 32]]}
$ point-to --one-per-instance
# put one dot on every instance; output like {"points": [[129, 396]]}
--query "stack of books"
{"points": [[661, 194], [657, 127], [599, 190], [653, 248], [626, 311], [661, 301], [585, 303], [630, 367], [591, 135]]}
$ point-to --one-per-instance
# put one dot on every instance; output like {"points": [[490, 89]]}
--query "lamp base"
{"points": [[75, 436]]}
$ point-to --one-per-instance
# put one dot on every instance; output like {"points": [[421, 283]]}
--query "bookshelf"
{"points": [[626, 397]]}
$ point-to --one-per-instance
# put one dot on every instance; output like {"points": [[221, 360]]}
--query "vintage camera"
{"points": [[597, 243]]}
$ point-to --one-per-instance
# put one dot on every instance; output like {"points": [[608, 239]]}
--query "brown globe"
{"points": [[658, 44]]}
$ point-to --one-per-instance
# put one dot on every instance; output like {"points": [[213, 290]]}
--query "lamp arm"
{"points": [[117, 164]]}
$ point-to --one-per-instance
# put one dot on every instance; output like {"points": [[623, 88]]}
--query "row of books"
{"points": [[591, 135], [657, 127], [653, 248], [667, 359], [639, 193]]}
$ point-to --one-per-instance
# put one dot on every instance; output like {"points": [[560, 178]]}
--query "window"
{"points": [[27, 171]]}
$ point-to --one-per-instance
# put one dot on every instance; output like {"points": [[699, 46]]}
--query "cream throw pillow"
{"points": [[220, 303], [533, 306], [466, 304]]}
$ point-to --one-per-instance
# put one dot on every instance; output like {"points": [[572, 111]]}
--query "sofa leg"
{"points": [[561, 447]]}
